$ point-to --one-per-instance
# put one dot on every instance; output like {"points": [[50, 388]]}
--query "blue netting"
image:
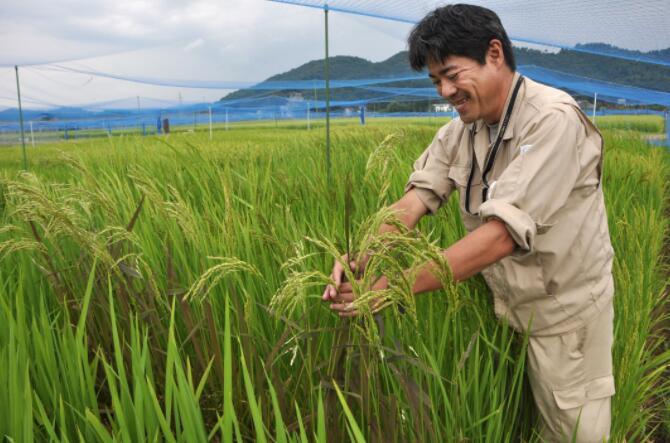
{"points": [[370, 91], [272, 101], [232, 84], [607, 91], [610, 92], [569, 24]]}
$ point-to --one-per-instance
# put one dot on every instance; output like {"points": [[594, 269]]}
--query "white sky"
{"points": [[231, 40], [250, 40]]}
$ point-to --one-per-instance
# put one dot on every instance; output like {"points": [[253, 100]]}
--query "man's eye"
{"points": [[452, 77]]}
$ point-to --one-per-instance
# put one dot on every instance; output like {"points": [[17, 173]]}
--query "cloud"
{"points": [[232, 40], [198, 42]]}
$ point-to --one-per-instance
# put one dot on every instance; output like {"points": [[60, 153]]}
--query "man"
{"points": [[527, 164]]}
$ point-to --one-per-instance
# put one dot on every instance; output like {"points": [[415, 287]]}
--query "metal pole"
{"points": [[327, 78], [23, 137], [595, 102], [139, 118], [226, 119], [210, 122], [32, 134], [308, 122]]}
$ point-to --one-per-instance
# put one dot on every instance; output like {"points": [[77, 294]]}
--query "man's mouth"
{"points": [[459, 104]]}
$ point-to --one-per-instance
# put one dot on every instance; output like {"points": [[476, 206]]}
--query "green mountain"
{"points": [[342, 68], [616, 70], [643, 75]]}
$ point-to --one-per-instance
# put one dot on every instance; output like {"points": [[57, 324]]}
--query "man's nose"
{"points": [[447, 89]]}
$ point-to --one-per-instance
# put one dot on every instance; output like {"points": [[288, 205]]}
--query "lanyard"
{"points": [[493, 151]]}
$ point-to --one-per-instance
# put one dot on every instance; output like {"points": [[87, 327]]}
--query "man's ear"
{"points": [[495, 54]]}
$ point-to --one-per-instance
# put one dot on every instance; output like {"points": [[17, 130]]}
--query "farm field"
{"points": [[168, 289]]}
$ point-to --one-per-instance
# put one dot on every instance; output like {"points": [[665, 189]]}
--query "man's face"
{"points": [[472, 89]]}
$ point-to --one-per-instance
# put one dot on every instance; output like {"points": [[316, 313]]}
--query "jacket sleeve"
{"points": [[538, 182], [431, 169]]}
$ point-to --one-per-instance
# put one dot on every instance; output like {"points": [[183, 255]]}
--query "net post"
{"points": [[210, 123], [23, 136], [666, 123], [32, 134], [327, 78], [595, 103], [139, 116]]}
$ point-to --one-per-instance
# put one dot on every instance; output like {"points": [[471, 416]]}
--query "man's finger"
{"points": [[345, 287], [352, 312], [326, 293], [336, 275], [338, 271], [329, 293], [343, 297]]}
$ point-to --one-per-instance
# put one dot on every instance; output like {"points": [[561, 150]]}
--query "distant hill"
{"points": [[661, 54], [616, 70], [342, 68], [348, 67], [643, 75]]}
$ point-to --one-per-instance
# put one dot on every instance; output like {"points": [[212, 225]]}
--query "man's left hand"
{"points": [[343, 302]]}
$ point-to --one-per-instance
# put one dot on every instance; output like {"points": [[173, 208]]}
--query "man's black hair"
{"points": [[463, 30]]}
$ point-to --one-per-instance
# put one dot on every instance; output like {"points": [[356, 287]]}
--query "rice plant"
{"points": [[168, 289]]}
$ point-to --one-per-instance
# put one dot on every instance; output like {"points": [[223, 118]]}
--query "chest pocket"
{"points": [[459, 175]]}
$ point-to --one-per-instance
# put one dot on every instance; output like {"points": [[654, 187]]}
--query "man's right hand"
{"points": [[338, 276]]}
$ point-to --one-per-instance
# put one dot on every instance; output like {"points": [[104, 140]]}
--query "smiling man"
{"points": [[527, 165]]}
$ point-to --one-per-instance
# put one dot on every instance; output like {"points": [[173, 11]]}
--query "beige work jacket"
{"points": [[545, 185]]}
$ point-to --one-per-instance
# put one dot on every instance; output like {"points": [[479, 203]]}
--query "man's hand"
{"points": [[468, 256], [409, 209], [342, 302], [338, 276]]}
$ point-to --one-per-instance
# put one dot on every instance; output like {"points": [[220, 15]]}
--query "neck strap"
{"points": [[493, 151]]}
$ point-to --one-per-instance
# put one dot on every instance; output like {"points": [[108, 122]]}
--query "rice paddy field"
{"points": [[168, 289]]}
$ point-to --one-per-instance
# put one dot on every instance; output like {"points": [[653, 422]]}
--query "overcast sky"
{"points": [[235, 40], [250, 40]]}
